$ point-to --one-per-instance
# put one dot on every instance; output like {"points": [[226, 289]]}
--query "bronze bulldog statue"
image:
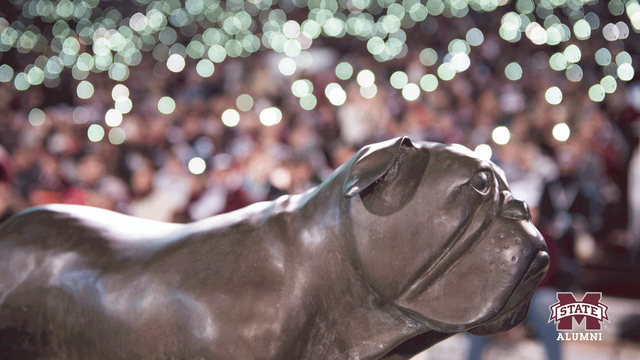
{"points": [[401, 247]]}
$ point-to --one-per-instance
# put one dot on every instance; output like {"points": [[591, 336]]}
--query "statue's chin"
{"points": [[517, 308], [505, 321]]}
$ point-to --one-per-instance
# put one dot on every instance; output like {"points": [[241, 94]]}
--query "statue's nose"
{"points": [[516, 209]]}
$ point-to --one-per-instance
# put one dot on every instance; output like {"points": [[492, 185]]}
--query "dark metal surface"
{"points": [[403, 246]]}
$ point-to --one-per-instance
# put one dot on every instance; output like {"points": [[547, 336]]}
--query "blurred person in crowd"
{"points": [[292, 177], [606, 139], [340, 154], [362, 120], [49, 185], [416, 119], [528, 171], [628, 121], [445, 130], [6, 189], [307, 145], [256, 183], [160, 195], [571, 208], [141, 181], [634, 198], [221, 182], [96, 187], [6, 201], [26, 170]]}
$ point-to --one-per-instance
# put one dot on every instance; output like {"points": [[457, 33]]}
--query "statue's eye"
{"points": [[480, 182]]}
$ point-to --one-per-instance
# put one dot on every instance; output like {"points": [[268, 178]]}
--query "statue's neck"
{"points": [[351, 320]]}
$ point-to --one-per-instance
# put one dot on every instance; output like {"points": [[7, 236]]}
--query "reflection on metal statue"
{"points": [[401, 247]]}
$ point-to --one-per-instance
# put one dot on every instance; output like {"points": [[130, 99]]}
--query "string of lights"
{"points": [[112, 37]]}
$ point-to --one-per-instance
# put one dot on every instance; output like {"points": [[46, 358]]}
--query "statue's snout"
{"points": [[516, 209]]}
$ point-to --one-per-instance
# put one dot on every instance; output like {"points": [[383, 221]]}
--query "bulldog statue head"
{"points": [[441, 236]]}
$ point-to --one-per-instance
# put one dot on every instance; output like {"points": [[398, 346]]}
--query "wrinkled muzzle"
{"points": [[490, 287]]}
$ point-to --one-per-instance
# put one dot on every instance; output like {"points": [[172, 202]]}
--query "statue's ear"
{"points": [[372, 162]]}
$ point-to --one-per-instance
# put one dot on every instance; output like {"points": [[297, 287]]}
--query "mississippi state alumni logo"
{"points": [[568, 308]]}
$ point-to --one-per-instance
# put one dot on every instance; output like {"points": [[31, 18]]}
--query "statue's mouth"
{"points": [[516, 309]]}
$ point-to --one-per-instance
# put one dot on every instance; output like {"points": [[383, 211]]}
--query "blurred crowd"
{"points": [[579, 189]]}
